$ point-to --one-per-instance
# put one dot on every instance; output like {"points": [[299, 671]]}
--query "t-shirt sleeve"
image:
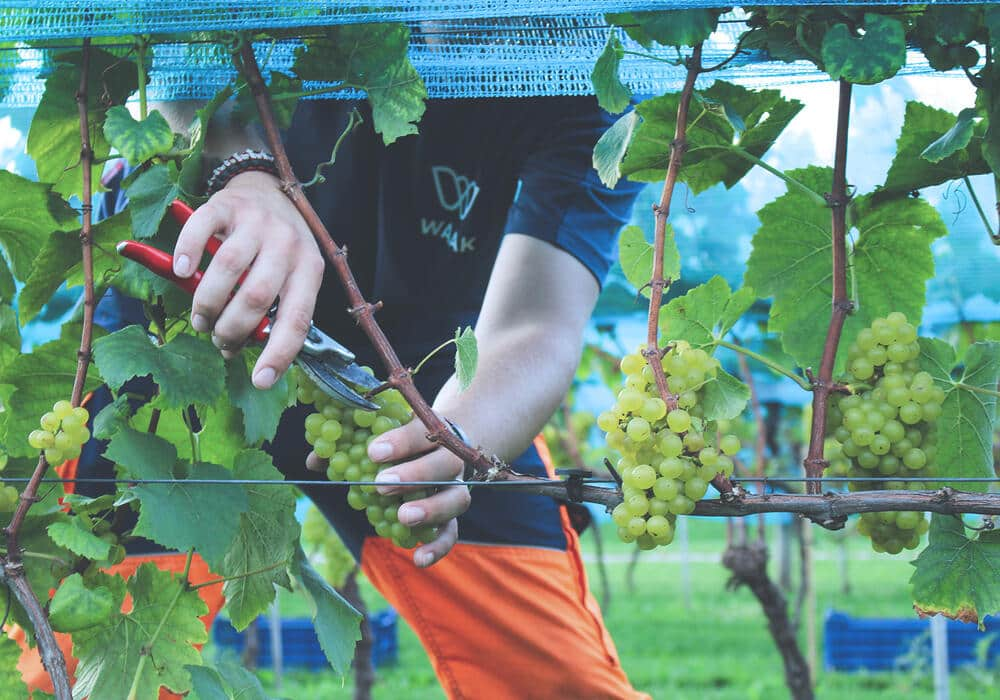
{"points": [[560, 198]]}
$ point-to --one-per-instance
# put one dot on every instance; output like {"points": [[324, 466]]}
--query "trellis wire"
{"points": [[494, 484]]}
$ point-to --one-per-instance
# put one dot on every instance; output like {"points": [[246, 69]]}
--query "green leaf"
{"points": [[610, 148], [77, 606], [875, 56], [264, 543], [337, 623], [7, 286], [148, 198], [10, 337], [956, 576], [110, 654], [724, 396], [40, 378], [965, 426], [700, 316], [373, 58], [910, 170], [220, 439], [112, 418], [138, 141], [12, 685], [129, 353], [791, 260], [667, 27], [284, 91], [635, 254], [466, 356], [226, 682], [29, 213], [142, 455], [60, 259], [953, 140], [78, 539], [713, 153], [739, 303], [612, 95], [261, 409], [85, 504], [54, 136], [950, 25]]}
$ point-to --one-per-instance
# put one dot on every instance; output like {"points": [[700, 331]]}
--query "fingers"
{"points": [[204, 222], [228, 264], [437, 509], [291, 323], [401, 443], [427, 554]]}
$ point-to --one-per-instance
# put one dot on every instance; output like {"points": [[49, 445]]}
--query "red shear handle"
{"points": [[162, 264]]}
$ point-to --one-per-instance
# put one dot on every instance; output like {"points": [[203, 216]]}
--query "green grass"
{"points": [[716, 649]]}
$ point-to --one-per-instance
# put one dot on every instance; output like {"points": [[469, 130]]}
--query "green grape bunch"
{"points": [[887, 428], [63, 432], [667, 459], [341, 436]]}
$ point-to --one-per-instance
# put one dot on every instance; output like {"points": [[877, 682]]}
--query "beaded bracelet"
{"points": [[237, 163]]}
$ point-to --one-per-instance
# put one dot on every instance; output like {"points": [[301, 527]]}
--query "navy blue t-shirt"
{"points": [[422, 221]]}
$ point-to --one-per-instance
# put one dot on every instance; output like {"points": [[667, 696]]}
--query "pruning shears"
{"points": [[328, 363]]}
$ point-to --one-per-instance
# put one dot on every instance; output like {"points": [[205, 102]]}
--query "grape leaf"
{"points": [[54, 136], [178, 515], [261, 409], [956, 576], [373, 58], [12, 685], [225, 682], [77, 606], [29, 213], [265, 542], [713, 153], [610, 148], [965, 426], [110, 654], [705, 314], [466, 356], [60, 259], [220, 439], [149, 195], [112, 418], [724, 396], [39, 379], [337, 623], [991, 20], [10, 337], [953, 140], [129, 353], [7, 286], [76, 538], [950, 25], [138, 141], [611, 94], [635, 254], [667, 27], [791, 261], [876, 55], [910, 170]]}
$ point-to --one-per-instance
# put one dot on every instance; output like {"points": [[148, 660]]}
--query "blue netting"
{"points": [[479, 57], [27, 20]]}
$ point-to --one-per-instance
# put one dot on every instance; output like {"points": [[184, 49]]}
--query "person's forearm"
{"points": [[522, 376]]}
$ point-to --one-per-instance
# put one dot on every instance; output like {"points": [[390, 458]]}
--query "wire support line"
{"points": [[300, 482], [870, 479]]}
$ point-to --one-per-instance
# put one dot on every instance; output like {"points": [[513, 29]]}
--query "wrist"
{"points": [[241, 162]]}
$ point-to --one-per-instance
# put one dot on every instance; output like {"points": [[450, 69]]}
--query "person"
{"points": [[492, 216]]}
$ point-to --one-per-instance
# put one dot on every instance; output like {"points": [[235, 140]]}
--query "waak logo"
{"points": [[456, 193]]}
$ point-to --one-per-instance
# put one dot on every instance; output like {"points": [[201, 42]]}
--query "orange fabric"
{"points": [[504, 622], [30, 664]]}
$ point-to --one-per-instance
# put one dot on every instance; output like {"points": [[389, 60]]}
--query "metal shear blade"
{"points": [[330, 381]]}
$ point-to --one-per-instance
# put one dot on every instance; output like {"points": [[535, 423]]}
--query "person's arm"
{"points": [[530, 334]]}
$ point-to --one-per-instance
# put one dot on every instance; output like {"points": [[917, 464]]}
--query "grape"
{"points": [[667, 457], [889, 429]]}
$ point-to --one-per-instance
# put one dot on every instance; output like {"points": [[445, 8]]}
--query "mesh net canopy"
{"points": [[462, 48]]}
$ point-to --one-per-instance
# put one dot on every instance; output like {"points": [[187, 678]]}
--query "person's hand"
{"points": [[263, 235], [418, 459]]}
